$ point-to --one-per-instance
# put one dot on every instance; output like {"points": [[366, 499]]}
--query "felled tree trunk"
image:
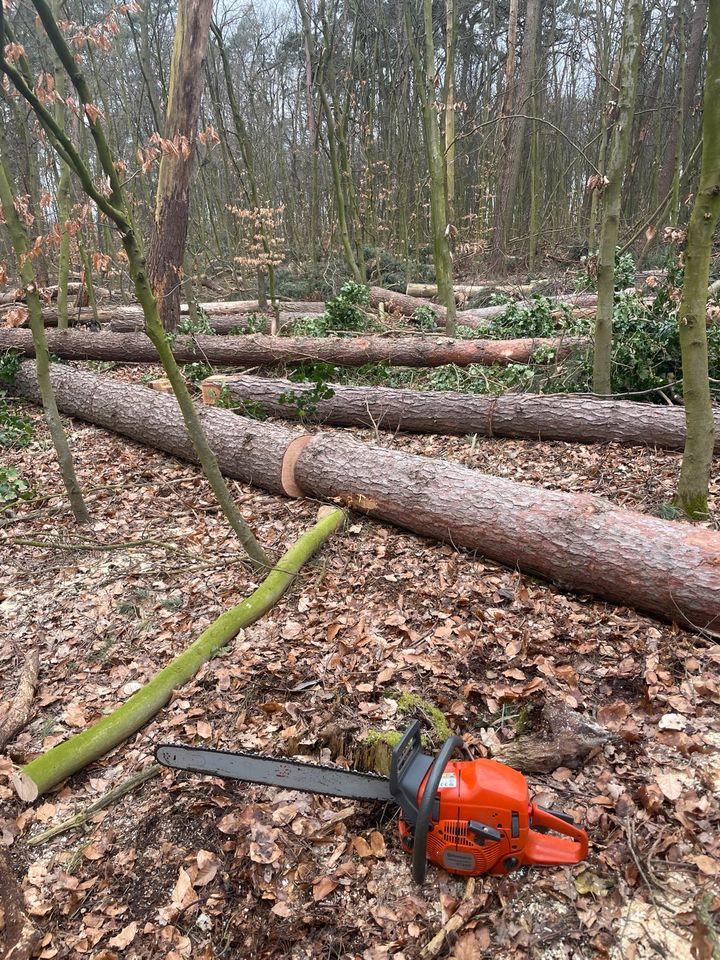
{"points": [[16, 714], [582, 542], [223, 315], [49, 769], [260, 350], [477, 289], [535, 417]]}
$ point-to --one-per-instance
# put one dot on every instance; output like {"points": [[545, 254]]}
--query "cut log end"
{"points": [[25, 787], [287, 478]]}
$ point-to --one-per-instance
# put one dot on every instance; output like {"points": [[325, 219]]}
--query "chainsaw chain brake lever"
{"points": [[424, 814]]}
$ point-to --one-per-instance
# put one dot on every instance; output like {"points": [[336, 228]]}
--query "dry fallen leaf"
{"points": [[323, 888], [125, 937]]}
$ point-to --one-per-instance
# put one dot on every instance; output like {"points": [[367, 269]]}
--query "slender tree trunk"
{"points": [[619, 151], [172, 203], [450, 44], [425, 75], [512, 160], [692, 492], [32, 299]]}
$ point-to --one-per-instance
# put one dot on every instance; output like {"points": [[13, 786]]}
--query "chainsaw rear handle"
{"points": [[546, 850], [425, 810]]}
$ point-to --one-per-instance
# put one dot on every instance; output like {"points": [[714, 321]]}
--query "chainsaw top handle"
{"points": [[425, 811]]}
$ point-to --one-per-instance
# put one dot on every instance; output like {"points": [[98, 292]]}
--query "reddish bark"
{"points": [[586, 543], [574, 418], [260, 350]]}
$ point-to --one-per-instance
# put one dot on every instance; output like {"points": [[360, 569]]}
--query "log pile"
{"points": [[261, 350], [583, 419], [583, 542]]}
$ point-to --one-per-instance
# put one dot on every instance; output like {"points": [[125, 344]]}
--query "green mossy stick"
{"points": [[49, 769]]}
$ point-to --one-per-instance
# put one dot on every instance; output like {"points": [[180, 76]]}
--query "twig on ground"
{"points": [[81, 818], [456, 922]]}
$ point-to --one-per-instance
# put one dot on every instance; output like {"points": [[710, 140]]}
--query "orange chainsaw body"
{"points": [[483, 822]]}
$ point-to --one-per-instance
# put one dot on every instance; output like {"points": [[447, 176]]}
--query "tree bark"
{"points": [[571, 418], [477, 289], [261, 350], [512, 159], [172, 201], [52, 767], [610, 227], [692, 492], [585, 543]]}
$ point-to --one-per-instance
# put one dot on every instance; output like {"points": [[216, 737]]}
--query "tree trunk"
{"points": [[512, 159], [172, 202], [37, 337], [585, 543], [425, 85], [619, 151], [261, 350], [571, 418], [692, 492], [478, 289], [52, 767], [686, 95]]}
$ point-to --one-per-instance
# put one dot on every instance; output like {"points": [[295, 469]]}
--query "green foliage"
{"points": [[313, 325], [624, 272], [306, 402], [10, 363], [254, 323], [542, 318], [13, 487], [313, 284], [425, 318], [245, 408], [15, 430], [197, 371], [193, 325], [342, 311]]}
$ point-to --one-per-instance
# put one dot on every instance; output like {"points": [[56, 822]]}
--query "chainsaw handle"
{"points": [[424, 814], [547, 850]]}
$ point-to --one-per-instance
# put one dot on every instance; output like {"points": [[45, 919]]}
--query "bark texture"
{"points": [[692, 492], [585, 543], [172, 203], [260, 350], [155, 419], [535, 417]]}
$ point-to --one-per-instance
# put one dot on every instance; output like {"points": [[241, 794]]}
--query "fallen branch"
{"points": [[565, 740], [52, 767], [81, 818], [15, 715], [261, 350], [20, 936]]}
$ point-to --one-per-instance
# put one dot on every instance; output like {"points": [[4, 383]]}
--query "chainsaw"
{"points": [[469, 816]]}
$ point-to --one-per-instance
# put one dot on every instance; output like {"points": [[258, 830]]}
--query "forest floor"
{"points": [[186, 866]]}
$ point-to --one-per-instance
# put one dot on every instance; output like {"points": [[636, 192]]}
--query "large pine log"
{"points": [[669, 568], [534, 417], [261, 350]]}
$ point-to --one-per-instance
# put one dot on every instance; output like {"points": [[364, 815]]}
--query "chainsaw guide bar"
{"points": [[273, 772]]}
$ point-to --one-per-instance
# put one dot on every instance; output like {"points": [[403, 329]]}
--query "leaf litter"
{"points": [[188, 866]]}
